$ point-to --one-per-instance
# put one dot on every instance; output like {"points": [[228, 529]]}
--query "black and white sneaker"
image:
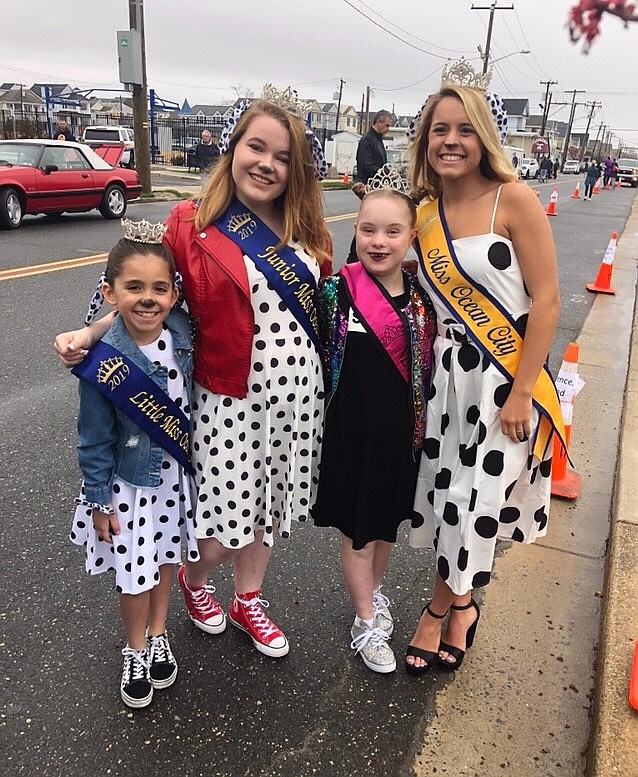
{"points": [[136, 688], [162, 663]]}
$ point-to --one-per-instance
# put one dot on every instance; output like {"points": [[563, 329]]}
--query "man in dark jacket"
{"points": [[62, 131], [371, 153], [206, 155], [371, 156]]}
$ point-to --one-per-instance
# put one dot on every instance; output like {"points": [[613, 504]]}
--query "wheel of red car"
{"points": [[113, 205], [10, 209]]}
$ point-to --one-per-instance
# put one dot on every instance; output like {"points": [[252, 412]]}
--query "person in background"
{"points": [[555, 168], [206, 155], [614, 174], [591, 176], [62, 131], [545, 169], [514, 161]]}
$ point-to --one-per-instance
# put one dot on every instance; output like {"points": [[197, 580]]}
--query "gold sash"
{"points": [[488, 325]]}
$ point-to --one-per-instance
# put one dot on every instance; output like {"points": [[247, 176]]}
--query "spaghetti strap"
{"points": [[498, 194]]}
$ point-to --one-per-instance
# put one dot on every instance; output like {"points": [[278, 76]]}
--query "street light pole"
{"points": [[491, 8], [140, 103]]}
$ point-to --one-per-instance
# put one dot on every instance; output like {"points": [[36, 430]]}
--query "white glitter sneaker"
{"points": [[382, 615], [372, 645]]}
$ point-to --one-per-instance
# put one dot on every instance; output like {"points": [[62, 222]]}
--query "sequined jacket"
{"points": [[420, 318]]}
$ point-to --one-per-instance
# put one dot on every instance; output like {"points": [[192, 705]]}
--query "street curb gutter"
{"points": [[614, 736]]}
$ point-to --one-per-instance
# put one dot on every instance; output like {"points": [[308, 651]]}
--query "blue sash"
{"points": [[283, 269], [137, 395]]}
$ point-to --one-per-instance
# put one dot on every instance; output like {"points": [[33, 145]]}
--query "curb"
{"points": [[614, 739]]}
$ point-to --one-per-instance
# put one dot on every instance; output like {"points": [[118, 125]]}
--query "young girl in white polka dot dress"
{"points": [[134, 514], [487, 259]]}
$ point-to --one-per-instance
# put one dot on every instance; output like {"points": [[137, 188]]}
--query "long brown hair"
{"points": [[301, 205], [494, 166]]}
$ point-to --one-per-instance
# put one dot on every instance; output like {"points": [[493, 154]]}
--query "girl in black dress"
{"points": [[378, 333]]}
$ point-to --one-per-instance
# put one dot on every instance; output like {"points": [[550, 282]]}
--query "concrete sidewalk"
{"points": [[522, 703]]}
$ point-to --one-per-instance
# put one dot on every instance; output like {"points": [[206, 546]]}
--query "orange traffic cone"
{"points": [[633, 680], [346, 179], [576, 194], [551, 208], [608, 186], [597, 187], [566, 483], [603, 279], [618, 184]]}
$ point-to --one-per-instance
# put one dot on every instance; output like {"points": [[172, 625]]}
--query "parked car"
{"points": [[628, 171], [54, 177], [529, 168], [113, 133], [571, 166]]}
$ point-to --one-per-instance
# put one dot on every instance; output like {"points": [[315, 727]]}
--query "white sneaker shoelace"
{"points": [[138, 665], [374, 637], [380, 603], [258, 617], [160, 651], [200, 600]]}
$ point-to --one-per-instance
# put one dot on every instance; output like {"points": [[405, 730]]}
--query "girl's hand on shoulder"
{"points": [[516, 415], [72, 347], [105, 525]]}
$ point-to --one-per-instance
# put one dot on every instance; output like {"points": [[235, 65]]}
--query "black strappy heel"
{"points": [[431, 656], [455, 652]]}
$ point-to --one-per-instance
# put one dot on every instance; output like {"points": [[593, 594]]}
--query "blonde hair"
{"points": [[494, 165], [301, 204]]}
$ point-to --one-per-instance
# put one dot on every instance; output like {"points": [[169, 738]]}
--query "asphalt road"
{"points": [[318, 711]]}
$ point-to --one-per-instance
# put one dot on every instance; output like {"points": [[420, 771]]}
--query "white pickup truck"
{"points": [[113, 133]]}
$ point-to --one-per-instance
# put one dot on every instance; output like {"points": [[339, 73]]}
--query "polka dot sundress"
{"points": [[257, 458], [475, 485], [155, 524]]}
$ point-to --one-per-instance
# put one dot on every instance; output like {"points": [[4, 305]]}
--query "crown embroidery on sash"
{"points": [[109, 368]]}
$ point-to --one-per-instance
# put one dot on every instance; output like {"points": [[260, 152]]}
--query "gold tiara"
{"points": [[288, 99], [462, 74], [143, 231]]}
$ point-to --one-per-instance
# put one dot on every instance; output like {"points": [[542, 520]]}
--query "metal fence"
{"points": [[174, 136]]}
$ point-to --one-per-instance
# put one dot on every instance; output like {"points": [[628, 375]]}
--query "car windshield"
{"points": [[627, 162], [19, 154]]}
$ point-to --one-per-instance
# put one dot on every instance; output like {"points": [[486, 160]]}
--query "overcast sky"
{"points": [[200, 49]]}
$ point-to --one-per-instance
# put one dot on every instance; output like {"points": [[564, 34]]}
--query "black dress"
{"points": [[367, 476]]}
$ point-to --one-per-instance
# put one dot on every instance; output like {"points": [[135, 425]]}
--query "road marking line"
{"points": [[39, 269], [85, 261]]}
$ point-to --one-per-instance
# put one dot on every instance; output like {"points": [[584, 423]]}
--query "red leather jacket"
{"points": [[218, 296]]}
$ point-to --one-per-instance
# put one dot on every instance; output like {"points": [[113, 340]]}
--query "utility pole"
{"points": [[363, 98], [491, 8], [583, 148], [574, 92], [366, 126], [546, 104], [140, 103], [593, 150], [341, 83]]}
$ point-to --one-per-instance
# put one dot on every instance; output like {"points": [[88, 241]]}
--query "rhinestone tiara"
{"points": [[462, 74], [387, 177], [287, 99], [143, 231]]}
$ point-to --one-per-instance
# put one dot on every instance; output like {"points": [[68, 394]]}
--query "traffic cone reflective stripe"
{"points": [[633, 680], [576, 194], [602, 283], [551, 208], [566, 482]]}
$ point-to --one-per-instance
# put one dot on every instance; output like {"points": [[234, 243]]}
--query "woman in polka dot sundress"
{"points": [[484, 237], [134, 513], [257, 409]]}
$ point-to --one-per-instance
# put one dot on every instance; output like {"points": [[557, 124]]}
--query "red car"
{"points": [[52, 176]]}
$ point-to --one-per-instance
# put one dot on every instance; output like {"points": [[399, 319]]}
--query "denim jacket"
{"points": [[110, 443]]}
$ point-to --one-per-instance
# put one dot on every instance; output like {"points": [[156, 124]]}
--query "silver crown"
{"points": [[288, 99], [387, 177], [462, 73], [143, 231]]}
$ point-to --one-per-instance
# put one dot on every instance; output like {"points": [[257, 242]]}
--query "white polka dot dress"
{"points": [[475, 485], [155, 524], [257, 458]]}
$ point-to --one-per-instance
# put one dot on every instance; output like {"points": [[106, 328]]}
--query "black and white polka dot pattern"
{"points": [[155, 524], [257, 458], [476, 485]]}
